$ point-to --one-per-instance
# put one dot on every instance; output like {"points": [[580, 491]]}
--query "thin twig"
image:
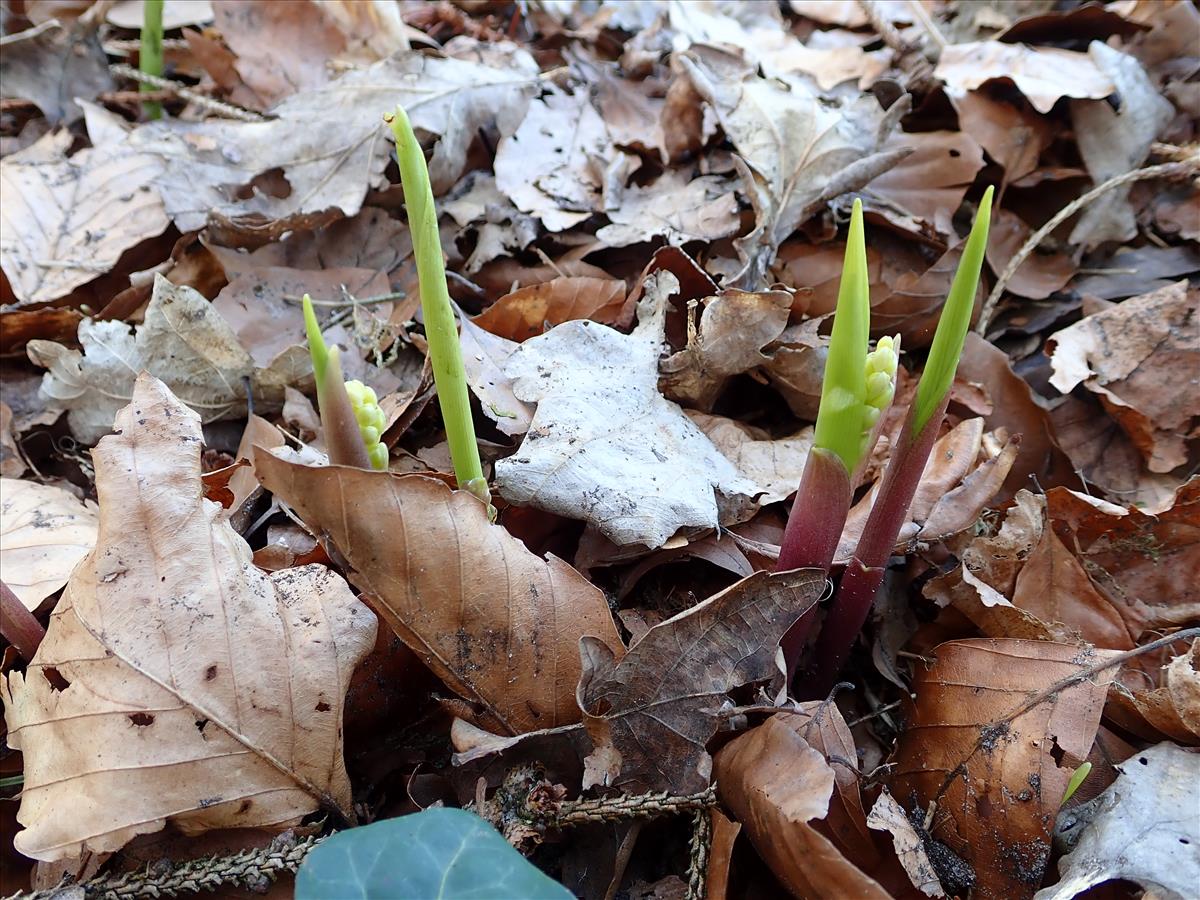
{"points": [[700, 847], [621, 863], [353, 301], [1165, 170], [18, 625], [218, 106]]}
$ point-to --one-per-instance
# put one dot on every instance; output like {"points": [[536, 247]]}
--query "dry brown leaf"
{"points": [[929, 184], [276, 46], [779, 787], [1012, 134], [182, 340], [888, 815], [50, 65], [676, 207], [1041, 274], [651, 713], [67, 219], [1042, 74], [44, 532], [174, 674], [720, 855], [12, 465], [1172, 708], [497, 623], [1140, 358], [1115, 141], [798, 152], [728, 340], [484, 357], [773, 464], [914, 304], [529, 311], [604, 445], [995, 765]]}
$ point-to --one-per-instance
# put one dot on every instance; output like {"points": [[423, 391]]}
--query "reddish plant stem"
{"points": [[865, 572], [813, 529], [18, 625], [343, 441]]}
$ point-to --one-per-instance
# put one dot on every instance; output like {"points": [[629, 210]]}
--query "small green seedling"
{"points": [[350, 413], [150, 52], [441, 328], [1077, 778], [858, 388]]}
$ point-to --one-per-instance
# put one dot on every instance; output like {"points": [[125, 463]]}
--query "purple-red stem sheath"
{"points": [[864, 574], [18, 625]]}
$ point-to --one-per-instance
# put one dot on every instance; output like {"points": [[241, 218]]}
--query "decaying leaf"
{"points": [[497, 623], [733, 328], [779, 787], [174, 674], [44, 532], [650, 713], [605, 446], [799, 152], [530, 310], [182, 340], [774, 465], [1172, 708], [51, 64], [1142, 829], [996, 730], [67, 219], [1042, 74], [484, 357], [888, 815], [676, 207], [929, 183], [1140, 358]]}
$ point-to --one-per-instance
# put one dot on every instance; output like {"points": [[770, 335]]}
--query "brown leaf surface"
{"points": [[888, 815], [929, 183], [1171, 709], [1041, 274], [1140, 358], [498, 624], [1012, 134], [67, 219], [484, 357], [44, 532], [779, 787], [178, 683], [996, 769], [528, 311], [1042, 74], [651, 713]]}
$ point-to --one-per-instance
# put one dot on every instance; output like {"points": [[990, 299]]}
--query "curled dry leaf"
{"points": [[798, 151], [44, 532], [1011, 133], [1142, 829], [50, 65], [528, 311], [929, 184], [175, 674], [1042, 74], [779, 787], [1041, 274], [914, 304], [484, 357], [774, 465], [605, 446], [182, 339], [675, 206], [994, 736], [1140, 358], [651, 713], [1171, 709], [888, 815], [728, 340], [67, 219], [497, 623]]}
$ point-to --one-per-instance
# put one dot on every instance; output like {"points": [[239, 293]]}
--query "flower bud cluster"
{"points": [[371, 421]]}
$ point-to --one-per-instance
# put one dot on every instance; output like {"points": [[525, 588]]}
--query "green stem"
{"points": [[150, 55], [441, 328]]}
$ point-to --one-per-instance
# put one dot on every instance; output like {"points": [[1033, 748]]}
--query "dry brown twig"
{"points": [[228, 110]]}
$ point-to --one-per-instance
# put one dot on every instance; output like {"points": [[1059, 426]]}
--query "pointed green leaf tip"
{"points": [[844, 390], [956, 318], [316, 344]]}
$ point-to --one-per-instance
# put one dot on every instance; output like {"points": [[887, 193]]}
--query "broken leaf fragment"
{"points": [[174, 674]]}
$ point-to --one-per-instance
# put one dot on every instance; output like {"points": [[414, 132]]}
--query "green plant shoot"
{"points": [[955, 320], [150, 53], [441, 328], [1077, 778]]}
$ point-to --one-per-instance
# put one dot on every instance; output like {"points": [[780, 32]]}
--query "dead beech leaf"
{"points": [[1012, 133], [650, 713], [182, 340], [728, 340], [12, 464], [605, 446], [174, 673], [329, 144], [1042, 74], [675, 206], [1140, 358], [484, 357], [774, 465], [44, 532], [888, 815], [779, 787], [1113, 141], [995, 765], [914, 304], [66, 220], [1143, 829], [527, 311], [497, 623], [1040, 275], [798, 151], [929, 184], [1173, 707], [50, 65]]}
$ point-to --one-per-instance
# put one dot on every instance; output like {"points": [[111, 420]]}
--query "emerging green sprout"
{"points": [[441, 329], [1077, 778], [858, 388], [350, 413], [150, 52]]}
